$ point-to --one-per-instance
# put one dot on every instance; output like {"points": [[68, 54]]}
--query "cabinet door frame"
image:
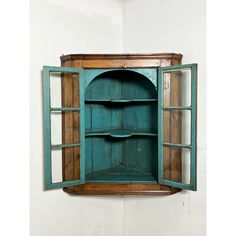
{"points": [[193, 145], [47, 108]]}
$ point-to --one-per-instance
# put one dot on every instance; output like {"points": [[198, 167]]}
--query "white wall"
{"points": [[56, 28], [170, 26], [108, 26]]}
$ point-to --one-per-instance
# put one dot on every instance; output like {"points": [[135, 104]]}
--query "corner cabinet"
{"points": [[120, 124]]}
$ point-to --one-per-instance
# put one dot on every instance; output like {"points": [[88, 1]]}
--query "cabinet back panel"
{"points": [[140, 154], [104, 152]]}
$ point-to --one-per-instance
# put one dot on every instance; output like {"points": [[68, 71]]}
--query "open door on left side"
{"points": [[64, 136]]}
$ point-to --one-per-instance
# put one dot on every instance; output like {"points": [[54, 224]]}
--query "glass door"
{"points": [[64, 133], [177, 106]]}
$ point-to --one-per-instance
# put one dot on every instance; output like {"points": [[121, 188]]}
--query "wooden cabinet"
{"points": [[128, 124]]}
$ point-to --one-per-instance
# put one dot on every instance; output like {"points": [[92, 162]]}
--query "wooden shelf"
{"points": [[125, 101], [119, 133]]}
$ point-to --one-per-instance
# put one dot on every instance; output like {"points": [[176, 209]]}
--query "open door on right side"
{"points": [[177, 107]]}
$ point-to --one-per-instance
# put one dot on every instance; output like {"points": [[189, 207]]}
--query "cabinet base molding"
{"points": [[121, 189]]}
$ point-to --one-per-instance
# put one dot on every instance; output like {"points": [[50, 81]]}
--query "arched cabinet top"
{"points": [[90, 74]]}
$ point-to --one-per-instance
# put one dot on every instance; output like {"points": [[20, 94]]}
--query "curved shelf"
{"points": [[119, 100], [119, 133]]}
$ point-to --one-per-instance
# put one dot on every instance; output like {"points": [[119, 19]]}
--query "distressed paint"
{"points": [[90, 74], [120, 174], [128, 130]]}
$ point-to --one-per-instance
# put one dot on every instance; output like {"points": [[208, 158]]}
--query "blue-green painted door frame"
{"points": [[193, 108], [86, 76], [47, 109]]}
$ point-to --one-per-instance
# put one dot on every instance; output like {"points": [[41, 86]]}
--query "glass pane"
{"points": [[64, 89], [177, 126], [65, 127], [56, 128], [176, 164], [177, 87], [57, 166], [69, 157], [55, 89]]}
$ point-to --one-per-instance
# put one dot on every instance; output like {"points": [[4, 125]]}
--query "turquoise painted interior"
{"points": [[121, 128]]}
